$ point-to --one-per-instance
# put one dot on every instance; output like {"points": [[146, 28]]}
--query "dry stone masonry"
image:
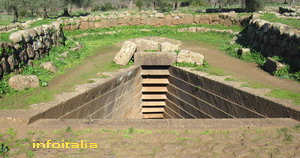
{"points": [[154, 19], [28, 45], [275, 39], [15, 26], [203, 29]]}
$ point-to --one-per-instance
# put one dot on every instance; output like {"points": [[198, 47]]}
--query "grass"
{"points": [[4, 37], [230, 79], [254, 85], [15, 144], [288, 21], [75, 59], [7, 19], [205, 68], [42, 22], [96, 44], [285, 94]]}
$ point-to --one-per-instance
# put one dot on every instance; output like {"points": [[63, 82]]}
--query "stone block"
{"points": [[154, 58]]}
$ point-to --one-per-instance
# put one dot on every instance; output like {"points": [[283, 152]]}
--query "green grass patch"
{"points": [[274, 19], [96, 44], [254, 85], [7, 19], [4, 37], [231, 79], [205, 68], [42, 22], [285, 94]]}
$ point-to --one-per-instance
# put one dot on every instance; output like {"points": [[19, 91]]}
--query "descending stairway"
{"points": [[155, 81]]}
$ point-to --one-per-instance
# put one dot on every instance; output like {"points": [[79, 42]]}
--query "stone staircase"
{"points": [[155, 81]]}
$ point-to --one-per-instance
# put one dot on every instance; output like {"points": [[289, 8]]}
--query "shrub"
{"points": [[139, 4], [198, 3], [254, 5], [106, 7], [164, 6], [283, 72], [23, 13], [96, 8]]}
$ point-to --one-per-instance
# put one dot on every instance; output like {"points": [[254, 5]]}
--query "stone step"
{"points": [[154, 89], [153, 110], [155, 81], [153, 116], [153, 103], [154, 97], [155, 72]]}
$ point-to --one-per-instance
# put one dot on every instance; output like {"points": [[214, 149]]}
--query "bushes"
{"points": [[106, 7], [165, 7], [139, 4], [95, 8], [198, 3], [254, 5]]}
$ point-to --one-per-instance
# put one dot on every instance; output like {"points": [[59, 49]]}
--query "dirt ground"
{"points": [[130, 142], [163, 143], [238, 68]]}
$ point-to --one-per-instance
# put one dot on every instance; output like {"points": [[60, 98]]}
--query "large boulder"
{"points": [[185, 56], [126, 53], [147, 45], [16, 37], [169, 47], [49, 66], [20, 82], [159, 15], [272, 65]]}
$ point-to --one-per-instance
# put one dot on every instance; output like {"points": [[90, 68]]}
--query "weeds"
{"points": [[68, 129], [3, 150], [128, 136], [285, 94], [230, 79]]}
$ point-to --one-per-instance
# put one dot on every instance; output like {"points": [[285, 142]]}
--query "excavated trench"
{"points": [[166, 92]]}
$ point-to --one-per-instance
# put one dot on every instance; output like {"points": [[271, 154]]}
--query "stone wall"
{"points": [[155, 19], [28, 45], [275, 39], [14, 26]]}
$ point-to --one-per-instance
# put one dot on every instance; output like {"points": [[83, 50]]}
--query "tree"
{"points": [[293, 3], [70, 3], [176, 4], [254, 5], [13, 6], [139, 4], [46, 8]]}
